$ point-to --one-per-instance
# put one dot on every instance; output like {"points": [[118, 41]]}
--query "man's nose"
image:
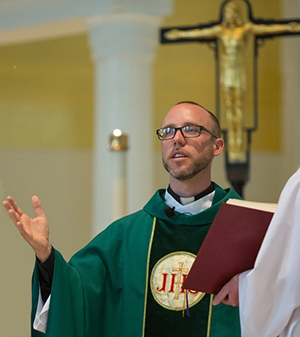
{"points": [[179, 137]]}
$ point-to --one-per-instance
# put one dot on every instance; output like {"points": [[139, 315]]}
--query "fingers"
{"points": [[220, 297], [231, 299], [14, 216], [229, 294], [13, 210], [11, 204], [36, 204], [6, 205]]}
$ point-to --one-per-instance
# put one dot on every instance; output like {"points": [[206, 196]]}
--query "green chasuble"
{"points": [[127, 281]]}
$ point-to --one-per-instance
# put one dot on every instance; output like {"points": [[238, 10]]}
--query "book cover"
{"points": [[231, 245]]}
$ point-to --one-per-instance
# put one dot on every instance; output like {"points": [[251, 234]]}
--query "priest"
{"points": [[127, 280]]}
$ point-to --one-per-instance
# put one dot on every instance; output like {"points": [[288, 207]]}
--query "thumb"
{"points": [[36, 204]]}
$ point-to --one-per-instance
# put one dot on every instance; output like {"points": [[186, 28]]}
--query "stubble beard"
{"points": [[193, 169]]}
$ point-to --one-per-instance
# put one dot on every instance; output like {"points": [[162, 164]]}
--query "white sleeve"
{"points": [[41, 315], [270, 293]]}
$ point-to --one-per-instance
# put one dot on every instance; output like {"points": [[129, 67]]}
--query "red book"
{"points": [[231, 245]]}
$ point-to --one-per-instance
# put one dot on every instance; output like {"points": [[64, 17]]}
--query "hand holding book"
{"points": [[231, 245]]}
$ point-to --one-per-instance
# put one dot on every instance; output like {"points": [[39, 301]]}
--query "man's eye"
{"points": [[190, 129], [168, 131]]}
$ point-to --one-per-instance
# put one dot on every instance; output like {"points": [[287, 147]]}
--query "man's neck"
{"points": [[187, 200], [191, 187]]}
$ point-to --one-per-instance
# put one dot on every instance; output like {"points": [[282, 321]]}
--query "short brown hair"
{"points": [[217, 127]]}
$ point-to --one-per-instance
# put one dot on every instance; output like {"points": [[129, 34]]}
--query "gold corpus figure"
{"points": [[233, 35]]}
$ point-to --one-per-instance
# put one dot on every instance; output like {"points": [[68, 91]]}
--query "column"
{"points": [[123, 46]]}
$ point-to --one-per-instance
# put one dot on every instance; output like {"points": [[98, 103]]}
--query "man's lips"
{"points": [[178, 155]]}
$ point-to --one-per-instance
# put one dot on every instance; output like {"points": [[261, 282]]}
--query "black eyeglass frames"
{"points": [[187, 131]]}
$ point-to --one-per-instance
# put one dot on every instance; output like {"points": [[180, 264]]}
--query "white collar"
{"points": [[192, 207]]}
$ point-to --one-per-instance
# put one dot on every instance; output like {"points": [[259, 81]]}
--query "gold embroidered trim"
{"points": [[147, 275], [209, 315], [167, 302]]}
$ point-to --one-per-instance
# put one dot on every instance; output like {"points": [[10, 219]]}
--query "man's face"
{"points": [[231, 15], [183, 157]]}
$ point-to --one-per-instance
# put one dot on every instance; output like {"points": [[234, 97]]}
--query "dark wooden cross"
{"points": [[229, 37]]}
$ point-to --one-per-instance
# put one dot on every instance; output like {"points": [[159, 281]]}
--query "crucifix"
{"points": [[230, 38], [179, 282]]}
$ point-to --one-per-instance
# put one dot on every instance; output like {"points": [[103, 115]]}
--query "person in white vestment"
{"points": [[269, 295]]}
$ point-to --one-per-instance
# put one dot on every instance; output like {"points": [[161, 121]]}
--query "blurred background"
{"points": [[51, 82]]}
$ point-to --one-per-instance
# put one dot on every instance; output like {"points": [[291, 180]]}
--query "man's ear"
{"points": [[219, 146]]}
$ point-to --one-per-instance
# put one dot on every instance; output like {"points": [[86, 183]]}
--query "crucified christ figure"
{"points": [[233, 35]]}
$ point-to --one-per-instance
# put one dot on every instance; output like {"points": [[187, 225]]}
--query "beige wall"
{"points": [[62, 179], [46, 136]]}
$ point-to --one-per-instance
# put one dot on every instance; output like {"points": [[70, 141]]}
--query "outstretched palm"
{"points": [[35, 231]]}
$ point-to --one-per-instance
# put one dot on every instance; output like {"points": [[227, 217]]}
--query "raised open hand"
{"points": [[35, 231]]}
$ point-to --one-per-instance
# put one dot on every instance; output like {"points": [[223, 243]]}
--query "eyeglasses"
{"points": [[187, 131]]}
